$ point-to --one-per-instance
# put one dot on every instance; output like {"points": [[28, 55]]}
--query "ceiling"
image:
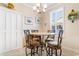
{"points": [[33, 4]]}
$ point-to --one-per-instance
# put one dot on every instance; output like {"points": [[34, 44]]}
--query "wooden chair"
{"points": [[35, 37], [29, 43], [34, 30], [55, 45], [51, 36], [48, 39], [38, 38]]}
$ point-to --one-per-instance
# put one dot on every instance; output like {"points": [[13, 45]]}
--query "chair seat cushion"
{"points": [[50, 39], [53, 43], [35, 43]]}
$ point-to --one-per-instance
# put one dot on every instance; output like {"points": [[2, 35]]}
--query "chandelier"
{"points": [[40, 8]]}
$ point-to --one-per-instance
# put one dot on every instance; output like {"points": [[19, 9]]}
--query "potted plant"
{"points": [[73, 16]]}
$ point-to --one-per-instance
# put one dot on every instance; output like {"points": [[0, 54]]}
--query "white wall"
{"points": [[71, 39], [71, 30], [27, 12]]}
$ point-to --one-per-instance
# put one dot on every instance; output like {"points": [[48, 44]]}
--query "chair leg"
{"points": [[31, 52], [60, 52], [46, 51], [34, 51], [41, 50], [37, 49], [51, 52], [56, 52], [26, 50]]}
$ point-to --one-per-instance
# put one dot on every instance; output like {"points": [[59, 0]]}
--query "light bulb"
{"points": [[37, 10], [34, 8], [44, 10], [45, 6]]}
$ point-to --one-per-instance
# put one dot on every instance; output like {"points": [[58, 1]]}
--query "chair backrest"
{"points": [[27, 33], [34, 30], [60, 34], [49, 31]]}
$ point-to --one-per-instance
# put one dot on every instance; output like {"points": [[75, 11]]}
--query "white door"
{"points": [[11, 33], [8, 30], [14, 32], [19, 30], [2, 30]]}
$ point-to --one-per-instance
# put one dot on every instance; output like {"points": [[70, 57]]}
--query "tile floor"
{"points": [[21, 52]]}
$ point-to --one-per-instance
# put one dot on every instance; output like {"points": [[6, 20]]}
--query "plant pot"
{"points": [[72, 21]]}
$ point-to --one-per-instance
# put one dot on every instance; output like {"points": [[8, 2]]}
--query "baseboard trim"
{"points": [[9, 50], [71, 49]]}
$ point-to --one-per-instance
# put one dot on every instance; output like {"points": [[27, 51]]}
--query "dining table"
{"points": [[41, 35]]}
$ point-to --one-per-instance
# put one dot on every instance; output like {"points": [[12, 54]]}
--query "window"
{"points": [[57, 19]]}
